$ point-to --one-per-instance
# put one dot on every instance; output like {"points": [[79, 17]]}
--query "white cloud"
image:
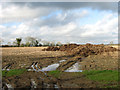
{"points": [[13, 13], [22, 29], [106, 26], [62, 27]]}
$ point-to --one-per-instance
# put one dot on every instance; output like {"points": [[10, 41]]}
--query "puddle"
{"points": [[74, 68], [33, 68], [51, 67], [62, 61], [48, 68]]}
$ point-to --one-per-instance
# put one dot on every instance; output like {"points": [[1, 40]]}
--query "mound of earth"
{"points": [[82, 50], [52, 48], [90, 49], [66, 47]]}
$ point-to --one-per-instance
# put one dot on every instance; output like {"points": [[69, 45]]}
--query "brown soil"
{"points": [[26, 80], [23, 57], [104, 61], [75, 80], [66, 80]]}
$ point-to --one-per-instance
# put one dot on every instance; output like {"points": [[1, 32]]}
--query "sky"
{"points": [[73, 22]]}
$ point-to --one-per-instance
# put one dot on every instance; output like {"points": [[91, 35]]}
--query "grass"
{"points": [[106, 77], [13, 72], [55, 73]]}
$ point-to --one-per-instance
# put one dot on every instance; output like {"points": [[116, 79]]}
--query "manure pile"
{"points": [[82, 50], [61, 48]]}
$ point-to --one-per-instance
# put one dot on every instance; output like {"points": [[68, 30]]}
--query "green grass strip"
{"points": [[105, 75], [55, 73], [13, 72]]}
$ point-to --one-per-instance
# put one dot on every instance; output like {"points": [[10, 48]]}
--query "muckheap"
{"points": [[90, 49], [82, 50], [65, 47]]}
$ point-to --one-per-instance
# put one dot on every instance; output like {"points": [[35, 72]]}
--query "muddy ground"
{"points": [[23, 57], [66, 80], [104, 61]]}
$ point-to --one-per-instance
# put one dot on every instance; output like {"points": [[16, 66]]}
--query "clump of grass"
{"points": [[55, 73], [13, 72], [107, 77]]}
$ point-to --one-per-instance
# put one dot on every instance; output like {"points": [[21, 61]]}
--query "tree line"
{"points": [[31, 42]]}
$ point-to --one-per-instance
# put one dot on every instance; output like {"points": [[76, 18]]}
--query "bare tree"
{"points": [[18, 41], [46, 43], [52, 43], [31, 41], [58, 44]]}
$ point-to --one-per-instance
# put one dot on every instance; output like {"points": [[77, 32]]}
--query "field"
{"points": [[17, 60], [23, 57]]}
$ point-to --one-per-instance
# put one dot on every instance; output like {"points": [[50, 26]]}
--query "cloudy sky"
{"points": [[78, 22]]}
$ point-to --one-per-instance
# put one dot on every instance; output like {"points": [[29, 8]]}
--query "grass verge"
{"points": [[107, 78], [13, 72]]}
